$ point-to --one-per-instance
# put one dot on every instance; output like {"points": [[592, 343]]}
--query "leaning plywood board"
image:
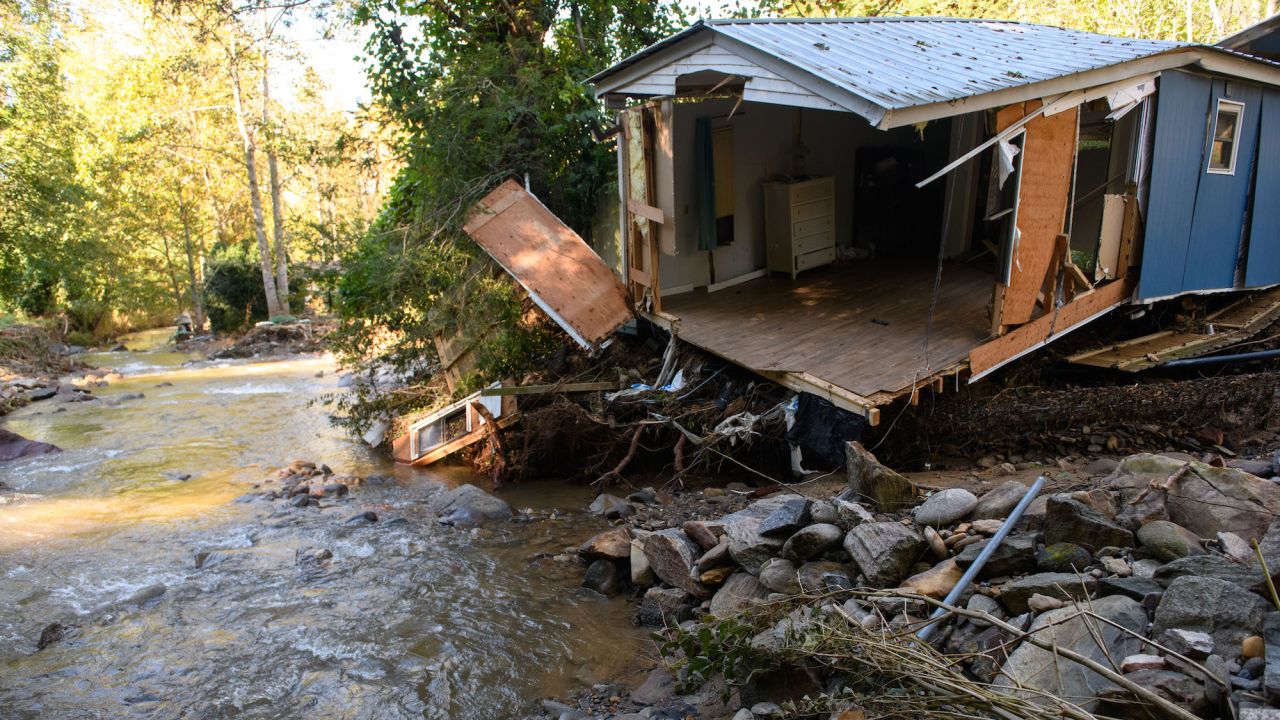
{"points": [[559, 271], [1046, 328], [1109, 241], [1047, 161]]}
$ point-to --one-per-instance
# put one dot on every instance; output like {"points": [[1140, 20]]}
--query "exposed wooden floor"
{"points": [[824, 323]]}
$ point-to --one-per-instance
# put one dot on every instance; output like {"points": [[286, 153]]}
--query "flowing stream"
{"points": [[408, 619]]}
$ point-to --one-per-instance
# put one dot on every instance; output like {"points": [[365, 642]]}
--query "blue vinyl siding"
{"points": [[1181, 120], [1263, 267]]}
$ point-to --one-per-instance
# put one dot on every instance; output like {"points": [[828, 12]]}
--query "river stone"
{"points": [[701, 533], [790, 515], [1032, 671], [602, 576], [641, 571], [14, 446], [1178, 688], [614, 544], [1017, 554], [812, 541], [1068, 520], [663, 606], [1063, 557], [1136, 588], [672, 554], [740, 592], [612, 506], [946, 507], [999, 501], [779, 575], [937, 581], [747, 546], [870, 480], [1207, 500], [468, 505], [717, 556], [1064, 586], [1192, 643], [883, 551], [823, 576], [1271, 673], [824, 511], [1168, 541], [1248, 576], [1222, 609]]}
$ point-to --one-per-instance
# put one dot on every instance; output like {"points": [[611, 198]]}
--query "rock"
{"points": [[747, 546], [643, 496], [868, 479], [1042, 603], [851, 514], [1031, 670], [671, 555], [602, 576], [812, 541], [1205, 500], [790, 515], [1131, 587], [936, 544], [883, 551], [468, 506], [824, 511], [716, 576], [937, 581], [1063, 557], [741, 591], [1068, 520], [657, 688], [54, 633], [145, 595], [945, 507], [14, 446], [662, 606], [1192, 643], [715, 557], [1224, 610], [1015, 555], [1064, 586], [1116, 566], [1246, 576], [1134, 663], [701, 533], [779, 575], [824, 576], [999, 501], [612, 506], [1253, 647], [1235, 547], [612, 544], [1271, 637], [1178, 688], [986, 527], [368, 516], [1168, 541]]}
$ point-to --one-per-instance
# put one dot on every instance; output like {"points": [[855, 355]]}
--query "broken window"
{"points": [[1222, 153]]}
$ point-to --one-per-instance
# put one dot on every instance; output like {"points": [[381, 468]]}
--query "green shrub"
{"points": [[234, 297]]}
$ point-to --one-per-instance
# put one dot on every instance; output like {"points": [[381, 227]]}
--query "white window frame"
{"points": [[1238, 109]]}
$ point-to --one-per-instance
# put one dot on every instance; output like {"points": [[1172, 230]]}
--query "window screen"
{"points": [[1226, 126]]}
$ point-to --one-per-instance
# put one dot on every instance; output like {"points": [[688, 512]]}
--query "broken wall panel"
{"points": [[1263, 266], [1044, 188], [562, 274]]}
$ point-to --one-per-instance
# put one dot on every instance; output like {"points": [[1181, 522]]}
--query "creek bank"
{"points": [[269, 338], [774, 599]]}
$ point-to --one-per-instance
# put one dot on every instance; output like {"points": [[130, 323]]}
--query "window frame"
{"points": [[1237, 108]]}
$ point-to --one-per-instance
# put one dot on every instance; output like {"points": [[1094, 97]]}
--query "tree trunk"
{"points": [[197, 288], [255, 197], [277, 210]]}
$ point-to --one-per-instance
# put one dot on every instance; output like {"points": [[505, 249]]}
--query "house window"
{"points": [[1226, 127]]}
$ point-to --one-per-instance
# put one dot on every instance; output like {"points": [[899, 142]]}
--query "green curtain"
{"points": [[704, 184]]}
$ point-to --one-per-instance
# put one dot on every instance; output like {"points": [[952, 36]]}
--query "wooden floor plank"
{"points": [[860, 326]]}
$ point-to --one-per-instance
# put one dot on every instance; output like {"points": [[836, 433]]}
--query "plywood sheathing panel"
{"points": [[859, 327], [1047, 327], [560, 271], [1048, 157]]}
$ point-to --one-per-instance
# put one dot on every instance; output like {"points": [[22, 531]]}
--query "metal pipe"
{"points": [[1256, 355], [983, 556]]}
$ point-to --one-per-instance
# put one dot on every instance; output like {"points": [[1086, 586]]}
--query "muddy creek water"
{"points": [[408, 619]]}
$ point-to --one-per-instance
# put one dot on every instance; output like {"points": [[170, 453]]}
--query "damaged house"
{"points": [[866, 209]]}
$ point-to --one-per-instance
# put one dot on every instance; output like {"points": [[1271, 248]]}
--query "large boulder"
{"points": [[870, 480], [1204, 499], [1068, 520], [884, 551], [14, 446], [1033, 672], [468, 506], [1247, 575], [1224, 610], [945, 507], [671, 555], [747, 546]]}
